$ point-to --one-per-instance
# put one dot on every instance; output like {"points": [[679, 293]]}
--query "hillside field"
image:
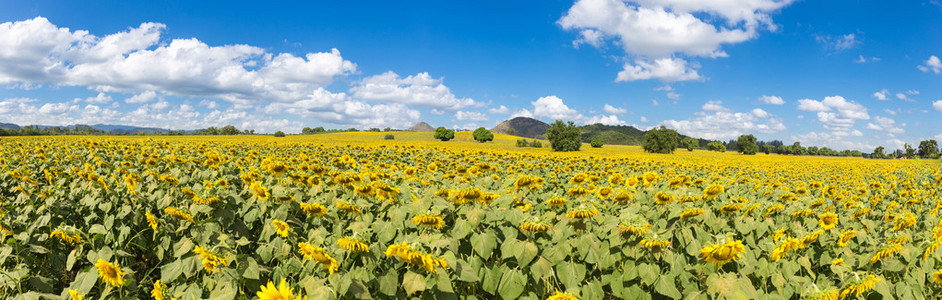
{"points": [[354, 216]]}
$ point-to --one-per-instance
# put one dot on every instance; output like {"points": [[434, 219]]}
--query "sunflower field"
{"points": [[353, 216]]}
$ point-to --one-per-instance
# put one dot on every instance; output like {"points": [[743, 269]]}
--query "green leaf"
{"points": [[541, 269], [413, 282], [648, 273], [491, 279], [525, 253], [182, 247], [85, 281], [70, 261], [593, 291], [251, 271], [570, 274], [171, 271], [389, 284], [665, 286], [483, 244], [465, 272], [512, 284]]}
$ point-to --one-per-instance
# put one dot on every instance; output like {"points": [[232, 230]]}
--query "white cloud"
{"points": [[664, 69], [144, 97], [553, 107], [726, 124], [613, 110], [937, 105], [654, 102], [605, 120], [932, 64], [644, 119], [901, 96], [499, 110], [834, 141], [714, 105], [841, 43], [774, 100], [885, 124], [101, 98], [654, 31], [470, 116], [881, 95], [811, 105], [419, 90], [836, 113], [522, 113], [208, 104], [912, 92]]}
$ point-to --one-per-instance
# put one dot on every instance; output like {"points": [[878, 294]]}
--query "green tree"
{"points": [[716, 146], [482, 135], [768, 149], [564, 137], [928, 148], [690, 143], [910, 152], [279, 134], [878, 153], [747, 144], [228, 130], [597, 142], [444, 134], [660, 140]]}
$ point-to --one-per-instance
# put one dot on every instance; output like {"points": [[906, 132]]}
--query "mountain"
{"points": [[127, 129], [621, 135], [9, 126], [522, 127], [421, 127]]}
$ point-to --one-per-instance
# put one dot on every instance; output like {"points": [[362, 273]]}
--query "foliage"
{"points": [[482, 135], [747, 144], [597, 142], [716, 146], [279, 134], [522, 143], [660, 140], [564, 137], [208, 217], [389, 137], [929, 149], [536, 144], [444, 134], [690, 143]]}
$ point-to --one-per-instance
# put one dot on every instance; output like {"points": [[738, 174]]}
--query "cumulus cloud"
{"points": [[101, 98], [840, 43], [714, 106], [499, 110], [885, 124], [836, 113], [613, 110], [882, 95], [835, 141], [522, 113], [553, 107], [773, 100], [419, 90], [644, 119], [937, 105], [655, 31], [664, 69], [726, 124], [932, 64], [605, 120], [470, 116], [144, 97]]}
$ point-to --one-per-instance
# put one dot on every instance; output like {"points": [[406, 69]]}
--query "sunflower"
{"points": [[655, 244], [562, 296], [720, 254], [690, 213], [810, 238], [282, 292], [406, 254], [846, 235], [827, 220], [110, 273], [556, 202], [318, 254], [281, 227], [604, 192], [635, 229], [71, 239], [712, 191], [782, 250], [158, 291], [772, 209], [348, 207], [211, 262], [929, 250], [838, 262], [582, 213], [778, 234], [662, 198], [829, 294], [74, 294], [577, 191], [886, 252], [622, 197], [365, 190], [534, 227], [178, 214], [428, 220], [528, 182], [313, 209], [353, 245], [861, 286], [937, 277], [260, 191], [730, 208]]}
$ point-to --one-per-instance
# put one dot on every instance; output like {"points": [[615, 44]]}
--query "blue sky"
{"points": [[841, 74]]}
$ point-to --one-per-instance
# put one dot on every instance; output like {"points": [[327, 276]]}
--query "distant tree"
{"points": [[522, 143], [564, 137], [307, 130], [878, 153], [690, 143], [732, 146], [536, 144], [279, 134], [928, 149], [511, 131], [660, 140], [910, 152], [318, 129], [228, 130], [482, 135], [716, 146], [597, 142], [387, 129], [444, 134], [797, 149], [389, 137], [747, 144], [768, 149]]}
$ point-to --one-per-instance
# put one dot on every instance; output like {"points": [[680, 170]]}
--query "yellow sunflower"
{"points": [[827, 220], [281, 227], [720, 254], [282, 292], [110, 273]]}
